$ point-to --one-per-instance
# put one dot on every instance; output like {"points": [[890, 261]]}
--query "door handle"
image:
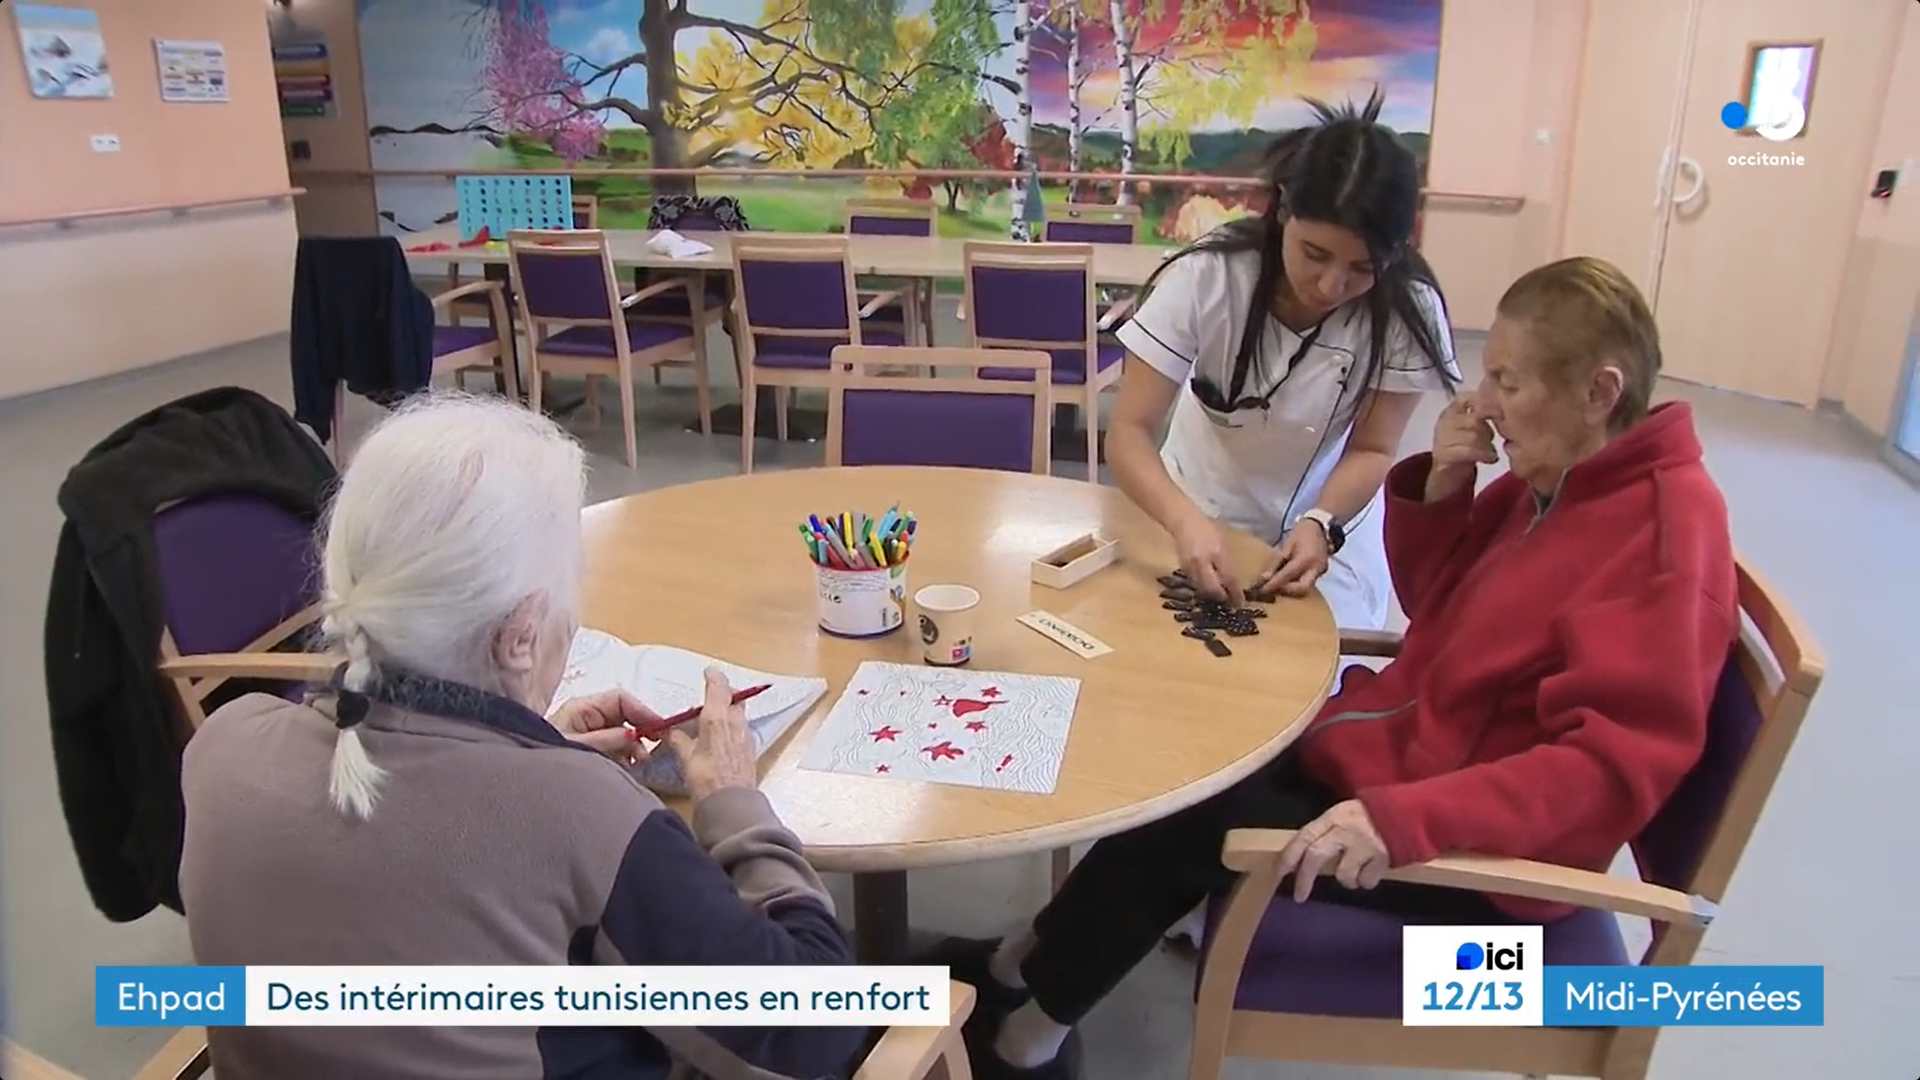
{"points": [[1688, 165]]}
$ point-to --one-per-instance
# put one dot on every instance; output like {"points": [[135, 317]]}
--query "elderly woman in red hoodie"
{"points": [[1567, 628]]}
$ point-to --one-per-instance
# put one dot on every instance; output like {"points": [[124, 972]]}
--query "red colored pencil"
{"points": [[655, 731]]}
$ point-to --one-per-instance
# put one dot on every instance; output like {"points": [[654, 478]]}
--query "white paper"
{"points": [[986, 729], [191, 70], [674, 246], [669, 680]]}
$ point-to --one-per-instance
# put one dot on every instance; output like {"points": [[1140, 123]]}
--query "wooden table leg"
{"points": [[880, 918]]}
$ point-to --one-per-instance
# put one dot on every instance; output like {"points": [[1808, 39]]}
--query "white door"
{"points": [[1621, 168], [1750, 276]]}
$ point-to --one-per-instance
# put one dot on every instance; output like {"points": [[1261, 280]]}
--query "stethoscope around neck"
{"points": [[1221, 410]]}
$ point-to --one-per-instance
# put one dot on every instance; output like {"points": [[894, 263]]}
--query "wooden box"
{"points": [[1067, 565]]}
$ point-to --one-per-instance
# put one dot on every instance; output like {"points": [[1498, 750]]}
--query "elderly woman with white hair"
{"points": [[422, 809]]}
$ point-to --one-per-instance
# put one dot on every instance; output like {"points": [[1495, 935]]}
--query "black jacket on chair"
{"points": [[115, 724], [358, 317]]}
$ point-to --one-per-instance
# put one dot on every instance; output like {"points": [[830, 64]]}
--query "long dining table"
{"points": [[934, 258], [913, 257]]}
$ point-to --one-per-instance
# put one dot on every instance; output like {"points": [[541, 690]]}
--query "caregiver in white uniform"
{"points": [[1291, 349]]}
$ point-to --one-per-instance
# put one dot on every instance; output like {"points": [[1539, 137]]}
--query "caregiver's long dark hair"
{"points": [[1351, 171]]}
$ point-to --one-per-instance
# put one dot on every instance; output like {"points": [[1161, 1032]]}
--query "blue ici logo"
{"points": [[1472, 956]]}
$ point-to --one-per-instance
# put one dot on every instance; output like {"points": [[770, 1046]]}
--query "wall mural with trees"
{"points": [[1129, 87]]}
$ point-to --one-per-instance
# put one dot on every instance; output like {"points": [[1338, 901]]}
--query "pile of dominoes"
{"points": [[1206, 618]]}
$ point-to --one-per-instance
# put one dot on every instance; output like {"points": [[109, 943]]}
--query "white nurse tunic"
{"points": [[1260, 469]]}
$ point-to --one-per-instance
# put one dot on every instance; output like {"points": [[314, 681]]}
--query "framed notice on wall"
{"points": [[191, 70], [65, 54]]}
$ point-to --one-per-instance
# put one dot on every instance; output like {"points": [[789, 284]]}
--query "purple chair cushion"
{"points": [[453, 339], [1089, 232], [598, 340], [801, 354], [1031, 304], [888, 225], [1069, 366], [231, 568], [1324, 959], [563, 284], [1671, 846], [901, 427]]}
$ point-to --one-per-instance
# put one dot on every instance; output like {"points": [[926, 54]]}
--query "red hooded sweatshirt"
{"points": [[1561, 655]]}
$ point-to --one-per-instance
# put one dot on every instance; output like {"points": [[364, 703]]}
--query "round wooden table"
{"points": [[1161, 722]]}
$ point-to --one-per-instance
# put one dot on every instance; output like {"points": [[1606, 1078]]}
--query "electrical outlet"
{"points": [[106, 144], [1543, 136]]}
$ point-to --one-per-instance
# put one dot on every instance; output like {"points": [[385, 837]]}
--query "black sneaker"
{"points": [[967, 960], [988, 1065]]}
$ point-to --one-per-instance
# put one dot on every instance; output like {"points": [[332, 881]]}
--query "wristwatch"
{"points": [[1336, 536]]}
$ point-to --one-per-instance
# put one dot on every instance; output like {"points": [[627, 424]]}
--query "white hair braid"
{"points": [[354, 781]]}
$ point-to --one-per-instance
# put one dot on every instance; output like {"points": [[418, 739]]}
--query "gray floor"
{"points": [[1828, 878]]}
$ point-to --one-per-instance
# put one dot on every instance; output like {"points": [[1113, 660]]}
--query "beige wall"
{"points": [[109, 295], [339, 199], [1508, 73], [1883, 271]]}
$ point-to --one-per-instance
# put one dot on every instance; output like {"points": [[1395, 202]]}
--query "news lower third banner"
{"points": [[520, 996], [1491, 976]]}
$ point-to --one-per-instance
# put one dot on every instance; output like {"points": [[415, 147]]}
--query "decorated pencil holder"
{"points": [[861, 603]]}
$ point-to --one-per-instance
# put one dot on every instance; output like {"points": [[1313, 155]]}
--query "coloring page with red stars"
{"points": [[984, 729]]}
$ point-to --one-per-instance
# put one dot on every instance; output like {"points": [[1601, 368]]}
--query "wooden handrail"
{"points": [[1510, 202], [70, 219]]}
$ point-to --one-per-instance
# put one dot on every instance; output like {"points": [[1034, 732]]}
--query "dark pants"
{"points": [[1130, 889]]}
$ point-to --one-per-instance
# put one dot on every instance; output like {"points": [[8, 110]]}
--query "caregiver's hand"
{"points": [[1202, 545], [1296, 563]]}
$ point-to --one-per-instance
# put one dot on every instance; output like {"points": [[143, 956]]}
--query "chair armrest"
{"points": [[655, 289], [308, 667], [1369, 643], [1247, 849], [880, 300], [472, 288], [184, 1057], [908, 1053], [1117, 313]]}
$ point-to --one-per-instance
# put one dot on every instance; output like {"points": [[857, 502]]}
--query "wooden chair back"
{"points": [[1055, 281], [792, 315], [890, 217], [1092, 223], [856, 374]]}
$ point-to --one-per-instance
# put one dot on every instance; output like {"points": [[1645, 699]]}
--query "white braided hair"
{"points": [[453, 512]]}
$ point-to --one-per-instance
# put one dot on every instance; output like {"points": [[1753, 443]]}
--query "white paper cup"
{"points": [[861, 603], [947, 617]]}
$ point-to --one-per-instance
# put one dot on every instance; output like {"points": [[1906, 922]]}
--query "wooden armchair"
{"points": [[184, 1057], [1253, 996], [903, 1053]]}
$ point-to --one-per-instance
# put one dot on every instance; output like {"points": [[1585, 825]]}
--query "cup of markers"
{"points": [[860, 570]]}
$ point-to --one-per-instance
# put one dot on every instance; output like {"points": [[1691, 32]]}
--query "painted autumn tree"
{"points": [[1181, 63], [802, 87], [940, 121]]}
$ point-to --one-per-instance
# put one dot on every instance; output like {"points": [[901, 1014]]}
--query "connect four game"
{"points": [[500, 204]]}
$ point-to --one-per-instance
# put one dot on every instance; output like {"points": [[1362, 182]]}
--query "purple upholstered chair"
{"points": [[896, 217], [1091, 223], [937, 418], [1040, 296], [1316, 982], [1097, 223], [795, 302], [238, 578], [575, 317]]}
